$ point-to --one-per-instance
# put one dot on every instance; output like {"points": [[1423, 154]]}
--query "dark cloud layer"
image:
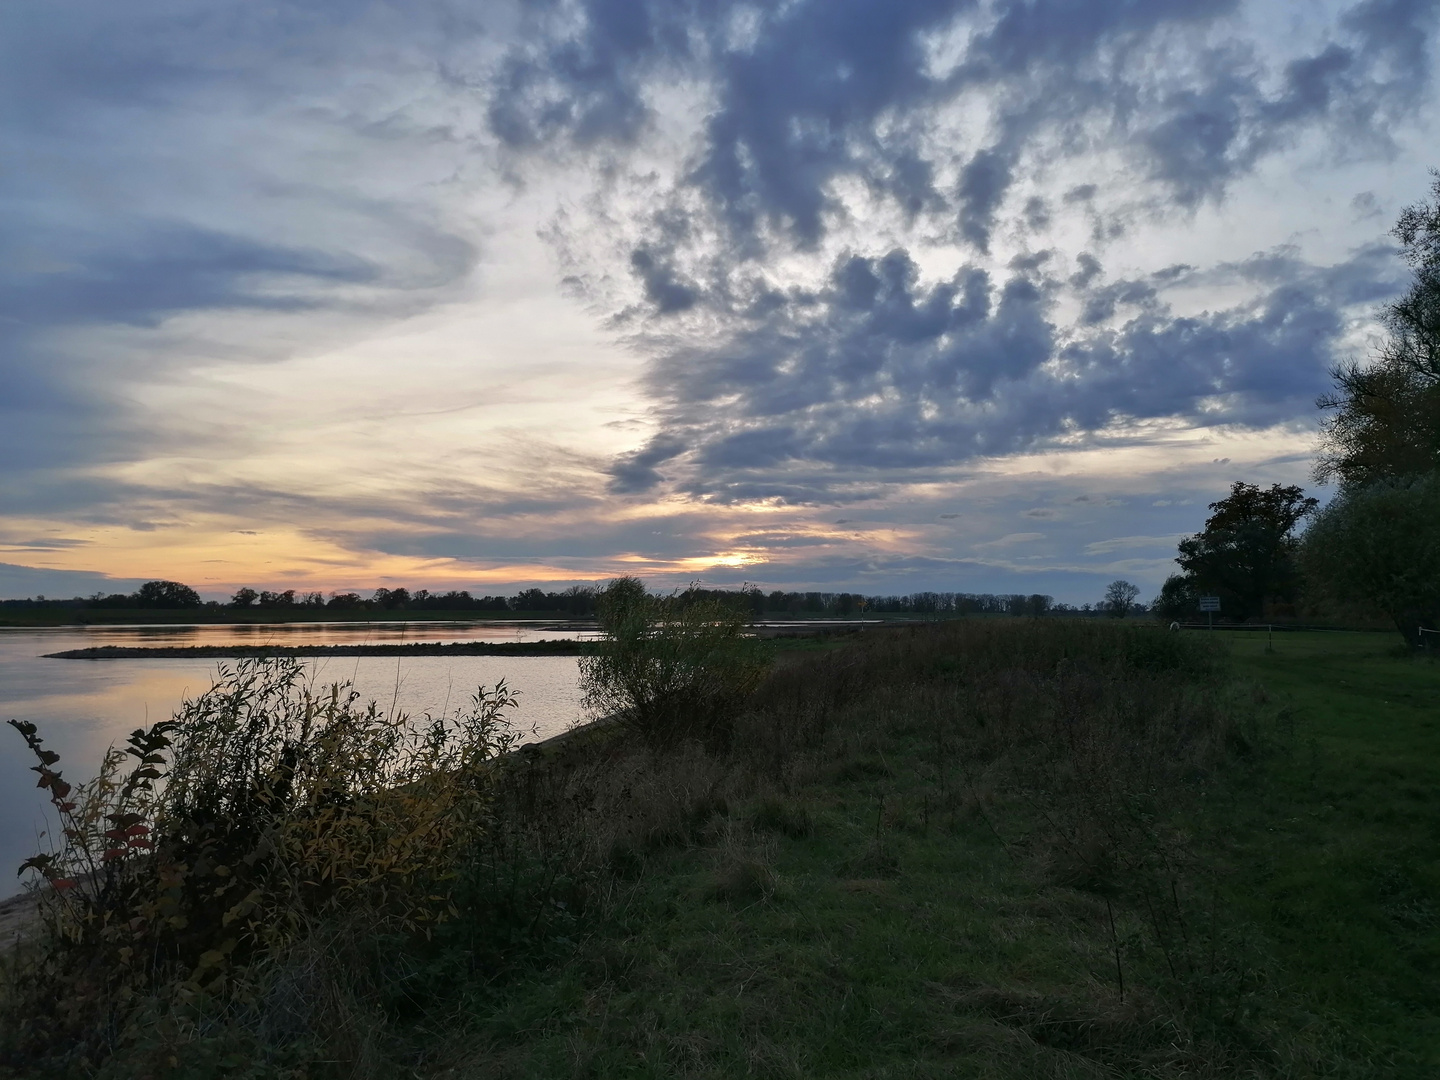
{"points": [[819, 90], [876, 371]]}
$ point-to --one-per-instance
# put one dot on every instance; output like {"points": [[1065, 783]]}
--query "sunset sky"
{"points": [[817, 294]]}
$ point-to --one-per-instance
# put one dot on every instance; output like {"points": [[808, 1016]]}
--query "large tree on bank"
{"points": [[1378, 542], [1378, 545], [1384, 416], [1246, 552]]}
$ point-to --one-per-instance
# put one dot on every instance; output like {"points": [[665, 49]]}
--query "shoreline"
{"points": [[561, 647]]}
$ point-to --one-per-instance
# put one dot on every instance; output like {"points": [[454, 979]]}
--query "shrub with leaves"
{"points": [[671, 667], [261, 810], [1379, 545]]}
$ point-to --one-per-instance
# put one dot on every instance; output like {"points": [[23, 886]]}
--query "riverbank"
{"points": [[1000, 848], [221, 615], [923, 898], [260, 652]]}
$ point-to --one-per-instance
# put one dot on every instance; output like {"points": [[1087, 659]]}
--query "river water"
{"points": [[84, 706]]}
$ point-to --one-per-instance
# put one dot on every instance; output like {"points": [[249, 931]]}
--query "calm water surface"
{"points": [[84, 706]]}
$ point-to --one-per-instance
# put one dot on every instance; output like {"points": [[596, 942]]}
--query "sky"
{"points": [[960, 295]]}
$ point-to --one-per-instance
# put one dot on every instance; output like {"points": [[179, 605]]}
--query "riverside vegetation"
{"points": [[991, 847]]}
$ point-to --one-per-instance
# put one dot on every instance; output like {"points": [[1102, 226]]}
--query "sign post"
{"points": [[1210, 605]]}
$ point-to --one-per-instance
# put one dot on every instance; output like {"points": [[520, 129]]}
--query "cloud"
{"points": [[162, 214], [1366, 205], [938, 129], [1009, 540], [815, 93], [55, 543], [881, 371], [1126, 543], [25, 582]]}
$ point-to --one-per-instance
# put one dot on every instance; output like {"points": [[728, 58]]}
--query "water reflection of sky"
{"points": [[83, 706], [317, 633]]}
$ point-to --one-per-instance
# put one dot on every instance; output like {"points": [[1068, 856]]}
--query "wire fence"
{"points": [[1429, 640], [1288, 627]]}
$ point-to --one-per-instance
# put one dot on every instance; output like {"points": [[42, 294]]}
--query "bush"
{"points": [[282, 810], [1179, 598], [671, 667], [1380, 545]]}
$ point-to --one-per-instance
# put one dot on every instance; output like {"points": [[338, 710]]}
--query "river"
{"points": [[83, 706]]}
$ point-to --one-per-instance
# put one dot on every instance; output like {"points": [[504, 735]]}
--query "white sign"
{"points": [[1209, 603]]}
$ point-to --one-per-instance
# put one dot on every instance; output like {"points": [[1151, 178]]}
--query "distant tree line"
{"points": [[848, 605], [153, 595], [579, 601]]}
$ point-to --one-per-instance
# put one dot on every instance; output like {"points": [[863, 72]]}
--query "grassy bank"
{"points": [[900, 912], [998, 848], [1338, 836]]}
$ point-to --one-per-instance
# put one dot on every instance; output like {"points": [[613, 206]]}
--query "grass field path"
{"points": [[1337, 840]]}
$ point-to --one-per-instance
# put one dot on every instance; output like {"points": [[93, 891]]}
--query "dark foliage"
{"points": [[1378, 546], [1246, 552], [1179, 598], [166, 594], [1384, 420]]}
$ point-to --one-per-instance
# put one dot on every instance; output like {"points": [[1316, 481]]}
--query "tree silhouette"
{"points": [[1384, 421], [1119, 597], [166, 594], [1246, 552]]}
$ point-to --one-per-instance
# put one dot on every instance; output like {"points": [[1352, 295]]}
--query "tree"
{"points": [[391, 598], [532, 600], [579, 600], [670, 667], [1246, 553], [1178, 598], [166, 594], [1380, 545], [1119, 596], [1384, 417], [244, 597]]}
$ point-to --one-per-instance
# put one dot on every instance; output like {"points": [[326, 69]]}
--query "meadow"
{"points": [[999, 848]]}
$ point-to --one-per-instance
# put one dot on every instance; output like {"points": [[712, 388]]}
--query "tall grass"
{"points": [[316, 882], [264, 817], [1083, 748]]}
